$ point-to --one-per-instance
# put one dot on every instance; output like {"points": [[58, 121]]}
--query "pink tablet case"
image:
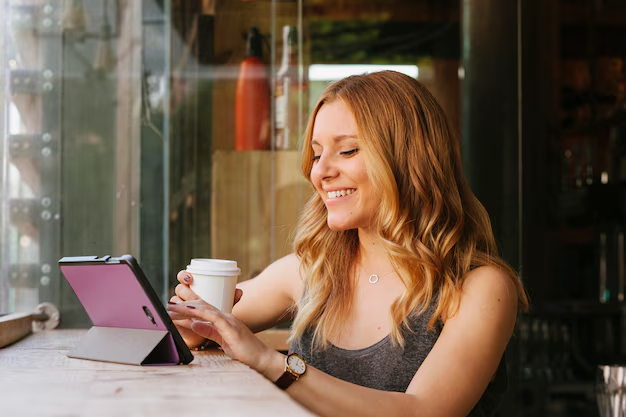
{"points": [[126, 327]]}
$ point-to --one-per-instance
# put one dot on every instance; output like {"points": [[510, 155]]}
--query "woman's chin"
{"points": [[337, 226]]}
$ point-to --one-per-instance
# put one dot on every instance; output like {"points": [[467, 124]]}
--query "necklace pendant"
{"points": [[373, 279]]}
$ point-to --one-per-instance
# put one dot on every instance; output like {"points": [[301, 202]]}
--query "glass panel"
{"points": [[84, 123], [235, 189], [31, 207]]}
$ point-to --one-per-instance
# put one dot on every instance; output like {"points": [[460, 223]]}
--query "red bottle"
{"points": [[252, 99]]}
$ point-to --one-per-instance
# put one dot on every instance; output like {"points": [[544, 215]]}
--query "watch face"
{"points": [[296, 364]]}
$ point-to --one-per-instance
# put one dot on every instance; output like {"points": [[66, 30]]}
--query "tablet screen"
{"points": [[116, 293]]}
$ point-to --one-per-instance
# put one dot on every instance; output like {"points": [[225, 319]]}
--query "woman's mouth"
{"points": [[340, 193]]}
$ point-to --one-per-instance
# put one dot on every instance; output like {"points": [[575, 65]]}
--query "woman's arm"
{"points": [[469, 349], [268, 298], [449, 382], [260, 303]]}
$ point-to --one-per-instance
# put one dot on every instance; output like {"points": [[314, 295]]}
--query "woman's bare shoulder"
{"points": [[489, 284]]}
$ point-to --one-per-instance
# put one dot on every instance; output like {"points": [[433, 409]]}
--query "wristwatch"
{"points": [[295, 367]]}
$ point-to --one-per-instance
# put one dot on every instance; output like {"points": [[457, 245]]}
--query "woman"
{"points": [[400, 303]]}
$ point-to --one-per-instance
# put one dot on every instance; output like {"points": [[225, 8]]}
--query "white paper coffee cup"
{"points": [[214, 281]]}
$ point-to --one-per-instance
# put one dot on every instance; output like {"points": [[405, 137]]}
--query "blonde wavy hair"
{"points": [[432, 226]]}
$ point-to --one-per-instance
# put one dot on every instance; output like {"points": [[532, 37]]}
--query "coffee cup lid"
{"points": [[213, 267]]}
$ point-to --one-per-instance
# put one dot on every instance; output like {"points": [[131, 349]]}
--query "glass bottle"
{"points": [[287, 93]]}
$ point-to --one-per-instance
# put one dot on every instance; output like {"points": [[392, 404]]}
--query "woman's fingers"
{"points": [[201, 318], [185, 293], [186, 323], [207, 330], [180, 319], [182, 290], [235, 339], [188, 310], [184, 277], [195, 309]]}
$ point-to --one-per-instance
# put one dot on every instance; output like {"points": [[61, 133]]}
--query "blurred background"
{"points": [[171, 129]]}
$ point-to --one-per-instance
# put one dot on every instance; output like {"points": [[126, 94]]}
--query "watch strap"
{"points": [[285, 380]]}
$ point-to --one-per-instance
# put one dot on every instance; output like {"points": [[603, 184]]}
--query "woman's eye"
{"points": [[315, 158], [350, 152]]}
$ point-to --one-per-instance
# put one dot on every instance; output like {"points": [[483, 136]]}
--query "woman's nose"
{"points": [[326, 167]]}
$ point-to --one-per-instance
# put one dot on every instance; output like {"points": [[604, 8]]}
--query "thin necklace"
{"points": [[373, 279]]}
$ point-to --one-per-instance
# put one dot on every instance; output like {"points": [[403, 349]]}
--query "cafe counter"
{"points": [[38, 379]]}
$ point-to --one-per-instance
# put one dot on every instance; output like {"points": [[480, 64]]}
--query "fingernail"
{"points": [[191, 307], [187, 278], [171, 303]]}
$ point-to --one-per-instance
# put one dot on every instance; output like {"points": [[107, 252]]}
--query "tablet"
{"points": [[122, 305]]}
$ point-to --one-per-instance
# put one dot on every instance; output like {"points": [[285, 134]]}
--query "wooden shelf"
{"points": [[399, 11]]}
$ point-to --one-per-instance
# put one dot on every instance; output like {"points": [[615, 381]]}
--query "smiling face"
{"points": [[339, 173]]}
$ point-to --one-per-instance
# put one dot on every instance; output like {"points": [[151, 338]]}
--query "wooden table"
{"points": [[38, 379]]}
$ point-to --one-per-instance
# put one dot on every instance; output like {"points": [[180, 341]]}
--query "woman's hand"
{"points": [[184, 293], [236, 340]]}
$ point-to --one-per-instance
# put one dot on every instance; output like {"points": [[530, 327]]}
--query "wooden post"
{"points": [[490, 122], [127, 133], [491, 133]]}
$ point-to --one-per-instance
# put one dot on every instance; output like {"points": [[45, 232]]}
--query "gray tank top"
{"points": [[385, 367]]}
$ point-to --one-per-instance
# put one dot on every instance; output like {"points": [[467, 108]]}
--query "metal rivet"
{"points": [[25, 241]]}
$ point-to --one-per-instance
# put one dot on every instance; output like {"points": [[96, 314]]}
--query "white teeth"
{"points": [[340, 193]]}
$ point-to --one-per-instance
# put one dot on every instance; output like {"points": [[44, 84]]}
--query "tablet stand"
{"points": [[128, 346]]}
